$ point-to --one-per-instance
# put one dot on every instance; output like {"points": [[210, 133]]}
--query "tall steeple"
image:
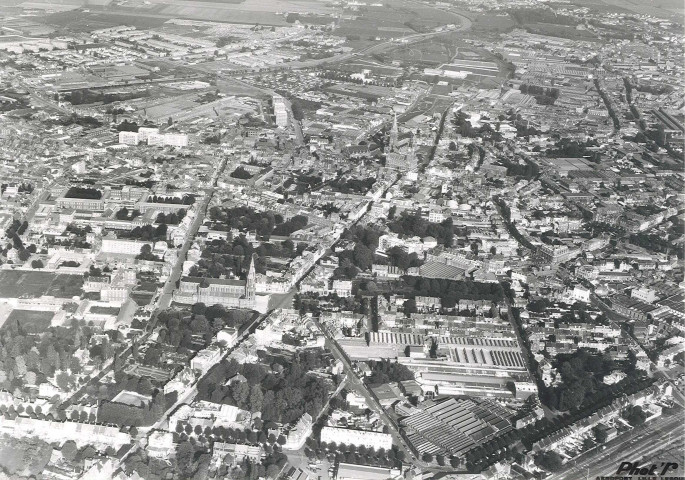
{"points": [[250, 281], [394, 134]]}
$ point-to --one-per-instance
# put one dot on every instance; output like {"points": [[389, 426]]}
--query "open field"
{"points": [[492, 22], [28, 284], [212, 13], [430, 52], [658, 8], [561, 31], [30, 320], [258, 6], [82, 21], [249, 12]]}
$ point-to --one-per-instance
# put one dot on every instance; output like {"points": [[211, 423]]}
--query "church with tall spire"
{"points": [[229, 292], [400, 157]]}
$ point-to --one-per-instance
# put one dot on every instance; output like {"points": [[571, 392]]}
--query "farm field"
{"points": [[29, 284]]}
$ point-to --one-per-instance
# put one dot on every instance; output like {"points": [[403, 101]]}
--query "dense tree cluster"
{"points": [[185, 200], [451, 291], [227, 257], [304, 182], [146, 254], [83, 192], [214, 139], [245, 219], [132, 415], [386, 371], [84, 121], [538, 15], [24, 457], [654, 243], [126, 214], [84, 96], [183, 331], [506, 216], [362, 255], [16, 229], [241, 173], [568, 148], [543, 96], [634, 415], [581, 375], [463, 127], [301, 105], [340, 452], [629, 90], [492, 451], [226, 40], [527, 169], [328, 209], [298, 222], [654, 88], [127, 126], [23, 187], [413, 224], [232, 257], [171, 218], [397, 257], [353, 185], [550, 461], [282, 393], [600, 434], [146, 233], [152, 468], [608, 104], [29, 355]]}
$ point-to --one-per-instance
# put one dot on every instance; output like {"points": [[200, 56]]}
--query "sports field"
{"points": [[30, 321], [28, 284]]}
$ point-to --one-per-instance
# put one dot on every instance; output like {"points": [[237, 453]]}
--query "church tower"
{"points": [[250, 281]]}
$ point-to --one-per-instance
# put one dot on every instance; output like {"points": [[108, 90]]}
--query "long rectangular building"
{"points": [[474, 366], [358, 438]]}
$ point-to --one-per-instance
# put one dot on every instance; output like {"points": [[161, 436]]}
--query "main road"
{"points": [[166, 294]]}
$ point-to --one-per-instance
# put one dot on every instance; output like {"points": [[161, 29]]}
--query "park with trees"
{"points": [[246, 219], [410, 224], [282, 389]]}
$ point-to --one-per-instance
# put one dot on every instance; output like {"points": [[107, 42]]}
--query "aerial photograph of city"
{"points": [[342, 239]]}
